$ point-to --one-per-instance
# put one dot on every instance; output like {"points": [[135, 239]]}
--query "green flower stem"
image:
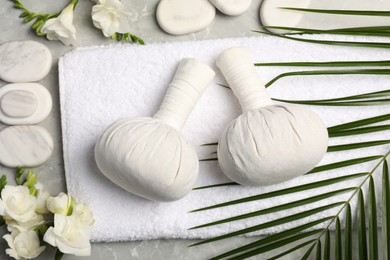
{"points": [[39, 18]]}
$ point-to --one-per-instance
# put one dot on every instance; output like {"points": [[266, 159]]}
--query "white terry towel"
{"points": [[99, 85]]}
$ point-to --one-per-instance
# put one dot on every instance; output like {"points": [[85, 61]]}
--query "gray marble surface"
{"points": [[52, 173]]}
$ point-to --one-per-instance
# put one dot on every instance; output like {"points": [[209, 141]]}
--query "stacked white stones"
{"points": [[24, 104], [180, 17]]}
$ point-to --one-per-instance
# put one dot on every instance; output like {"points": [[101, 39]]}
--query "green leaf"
{"points": [[359, 123], [24, 14], [372, 221], [385, 211], [273, 238], [338, 242], [285, 206], [286, 191], [360, 131], [292, 250], [372, 102], [216, 185], [361, 221], [341, 31], [343, 12], [345, 147], [345, 163], [327, 245], [326, 64], [318, 250], [308, 253], [3, 182], [383, 45], [329, 72], [276, 245], [19, 174], [58, 255], [272, 223], [348, 233]]}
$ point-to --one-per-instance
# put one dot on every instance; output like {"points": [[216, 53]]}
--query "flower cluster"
{"points": [[107, 15], [28, 210]]}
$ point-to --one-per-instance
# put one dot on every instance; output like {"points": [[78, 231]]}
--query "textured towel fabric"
{"points": [[99, 85]]}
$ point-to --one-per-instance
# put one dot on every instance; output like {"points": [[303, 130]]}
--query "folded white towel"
{"points": [[99, 85]]}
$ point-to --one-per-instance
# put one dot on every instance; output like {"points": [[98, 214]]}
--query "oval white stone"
{"points": [[232, 7], [184, 16], [24, 61], [27, 146], [18, 103], [272, 15], [24, 103]]}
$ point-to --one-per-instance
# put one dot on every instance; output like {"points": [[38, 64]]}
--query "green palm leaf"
{"points": [[382, 45], [292, 250], [348, 233], [272, 223], [372, 221], [359, 123], [318, 250], [276, 245], [361, 220], [273, 238], [286, 191], [359, 131], [345, 147], [345, 163], [308, 253], [385, 210], [326, 64], [329, 72], [343, 31], [280, 207], [344, 12], [327, 245], [338, 243]]}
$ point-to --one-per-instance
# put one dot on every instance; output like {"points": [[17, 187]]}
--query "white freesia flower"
{"points": [[108, 15], [59, 204], [69, 236], [41, 200], [13, 225], [16, 203], [24, 245], [61, 28], [83, 215]]}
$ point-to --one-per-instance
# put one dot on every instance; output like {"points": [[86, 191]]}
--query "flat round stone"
{"points": [[26, 146], [184, 16], [24, 61], [18, 103], [272, 15], [24, 104], [232, 7]]}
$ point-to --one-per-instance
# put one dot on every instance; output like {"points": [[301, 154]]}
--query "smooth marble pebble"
{"points": [[24, 61], [232, 7], [272, 15], [18, 103], [184, 16], [24, 103], [27, 146]]}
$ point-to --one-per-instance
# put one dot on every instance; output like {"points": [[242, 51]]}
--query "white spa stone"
{"points": [[272, 15], [148, 156], [232, 7], [24, 61], [184, 16], [24, 103], [269, 143], [27, 146]]}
